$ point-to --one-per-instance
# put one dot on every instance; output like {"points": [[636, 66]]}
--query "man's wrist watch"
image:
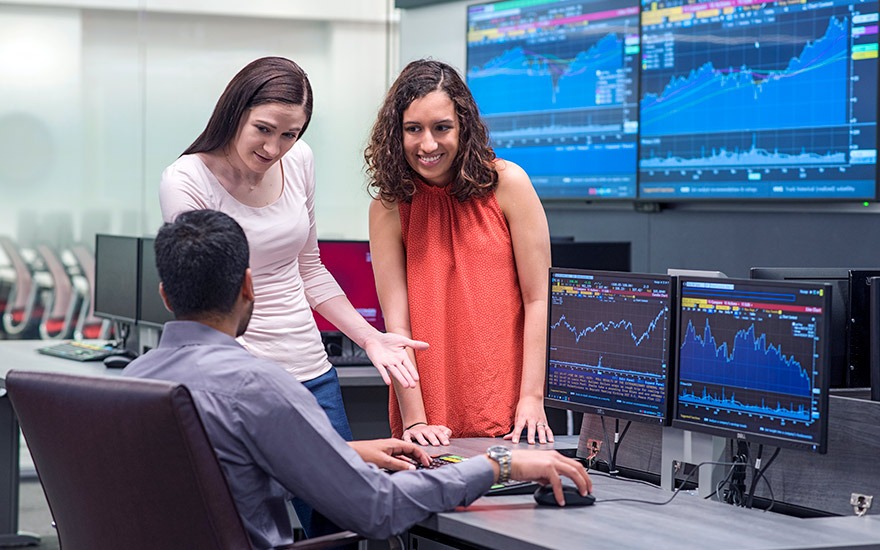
{"points": [[502, 456]]}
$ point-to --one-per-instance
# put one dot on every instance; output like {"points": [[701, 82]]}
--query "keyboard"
{"points": [[79, 351], [509, 487], [349, 360]]}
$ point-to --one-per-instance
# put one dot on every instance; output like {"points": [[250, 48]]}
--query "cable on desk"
{"points": [[732, 489], [626, 479], [618, 439], [758, 473], [674, 492]]}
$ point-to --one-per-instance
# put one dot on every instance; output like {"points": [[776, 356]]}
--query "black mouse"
{"points": [[544, 495], [119, 361]]}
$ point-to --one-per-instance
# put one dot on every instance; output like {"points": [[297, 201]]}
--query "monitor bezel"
{"points": [[670, 349], [817, 447]]}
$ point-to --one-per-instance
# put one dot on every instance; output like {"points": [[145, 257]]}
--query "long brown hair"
{"points": [[391, 176], [264, 80]]}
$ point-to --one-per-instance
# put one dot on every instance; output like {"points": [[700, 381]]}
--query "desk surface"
{"points": [[22, 354], [516, 522]]}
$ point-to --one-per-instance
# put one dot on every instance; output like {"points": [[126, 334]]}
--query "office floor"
{"points": [[34, 516]]}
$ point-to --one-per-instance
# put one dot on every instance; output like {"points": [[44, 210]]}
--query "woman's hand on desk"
{"points": [[387, 352], [530, 416], [384, 452], [428, 434]]}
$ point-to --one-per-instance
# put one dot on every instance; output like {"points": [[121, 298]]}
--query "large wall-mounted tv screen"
{"points": [[555, 82], [751, 99]]}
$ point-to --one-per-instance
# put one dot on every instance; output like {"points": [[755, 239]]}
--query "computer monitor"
{"points": [[607, 256], [752, 360], [351, 265], [758, 100], [858, 328], [116, 277], [153, 312], [874, 323], [839, 278], [556, 83], [609, 343]]}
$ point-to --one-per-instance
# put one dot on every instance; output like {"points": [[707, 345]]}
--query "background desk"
{"points": [[363, 390], [517, 523]]}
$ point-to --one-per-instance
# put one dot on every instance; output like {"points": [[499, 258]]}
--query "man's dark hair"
{"points": [[201, 257]]}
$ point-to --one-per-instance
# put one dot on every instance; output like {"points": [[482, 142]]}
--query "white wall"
{"points": [[437, 32], [96, 98]]}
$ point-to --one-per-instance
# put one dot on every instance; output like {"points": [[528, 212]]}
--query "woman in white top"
{"points": [[249, 162]]}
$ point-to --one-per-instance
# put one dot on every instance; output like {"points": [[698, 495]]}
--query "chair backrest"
{"points": [[124, 463], [89, 326]]}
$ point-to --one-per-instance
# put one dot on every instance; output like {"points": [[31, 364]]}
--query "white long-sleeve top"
{"points": [[289, 277]]}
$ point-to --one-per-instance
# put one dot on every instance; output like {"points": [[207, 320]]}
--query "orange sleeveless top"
{"points": [[465, 301]]}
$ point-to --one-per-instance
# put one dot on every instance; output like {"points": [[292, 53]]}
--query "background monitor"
{"points": [[116, 277], [609, 340], [874, 324], [555, 82], [838, 277], [608, 256], [352, 266], [858, 328], [152, 308], [748, 100], [752, 360]]}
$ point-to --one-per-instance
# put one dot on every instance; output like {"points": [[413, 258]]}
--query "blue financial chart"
{"points": [[758, 100], [556, 82], [753, 358]]}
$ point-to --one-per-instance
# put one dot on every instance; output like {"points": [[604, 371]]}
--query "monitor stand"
{"points": [[687, 447], [148, 338]]}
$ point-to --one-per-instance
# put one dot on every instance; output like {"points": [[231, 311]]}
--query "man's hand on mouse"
{"points": [[547, 468]]}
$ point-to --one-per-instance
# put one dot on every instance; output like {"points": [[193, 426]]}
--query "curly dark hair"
{"points": [[264, 80], [391, 176]]}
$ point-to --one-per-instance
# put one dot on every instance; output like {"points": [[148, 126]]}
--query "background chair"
{"points": [[126, 463]]}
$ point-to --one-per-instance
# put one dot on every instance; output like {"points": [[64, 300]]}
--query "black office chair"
{"points": [[126, 463]]}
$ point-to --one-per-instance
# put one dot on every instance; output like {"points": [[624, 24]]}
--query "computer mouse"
{"points": [[117, 361], [544, 495]]}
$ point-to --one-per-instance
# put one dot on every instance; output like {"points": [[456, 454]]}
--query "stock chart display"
{"points": [[753, 359], [609, 340], [555, 82], [751, 99]]}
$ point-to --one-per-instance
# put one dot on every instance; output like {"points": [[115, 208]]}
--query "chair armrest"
{"points": [[326, 541]]}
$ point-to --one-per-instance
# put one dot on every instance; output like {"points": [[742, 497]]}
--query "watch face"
{"points": [[498, 451]]}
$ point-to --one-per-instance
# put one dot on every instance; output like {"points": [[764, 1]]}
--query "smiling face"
{"points": [[430, 137], [266, 133]]}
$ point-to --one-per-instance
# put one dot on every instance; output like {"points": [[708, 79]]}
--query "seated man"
{"points": [[271, 436]]}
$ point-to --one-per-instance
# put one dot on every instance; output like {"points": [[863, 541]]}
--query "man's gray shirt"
{"points": [[274, 440]]}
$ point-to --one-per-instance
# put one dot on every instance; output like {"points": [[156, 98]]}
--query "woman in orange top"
{"points": [[461, 251]]}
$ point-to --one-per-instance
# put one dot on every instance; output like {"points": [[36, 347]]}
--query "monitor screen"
{"points": [[608, 256], [116, 277], [351, 265], [555, 82], [758, 100], [608, 343], [152, 308], [752, 360], [838, 278]]}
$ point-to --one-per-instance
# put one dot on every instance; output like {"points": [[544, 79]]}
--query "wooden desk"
{"points": [[688, 522]]}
